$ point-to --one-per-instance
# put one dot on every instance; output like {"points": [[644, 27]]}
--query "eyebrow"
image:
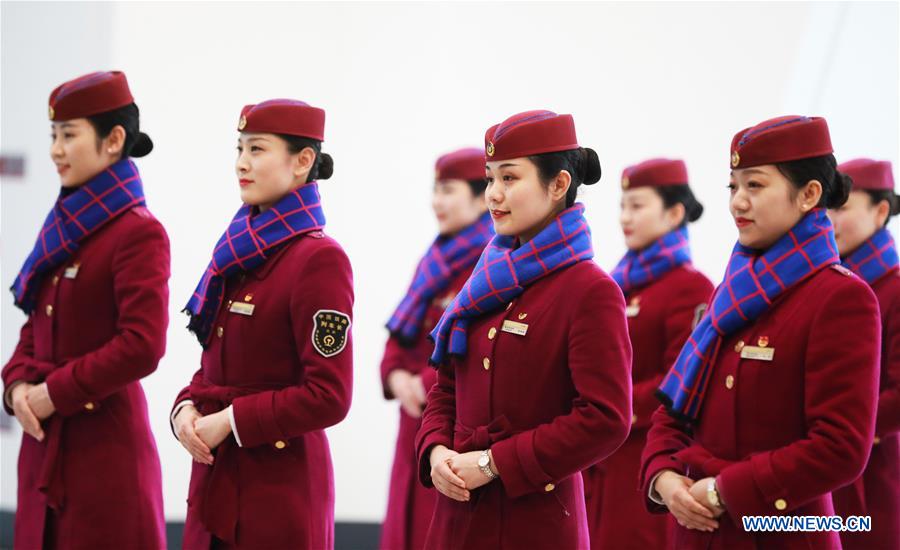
{"points": [[257, 138], [507, 164], [754, 171], [67, 125]]}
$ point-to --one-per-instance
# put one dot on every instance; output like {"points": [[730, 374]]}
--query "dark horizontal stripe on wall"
{"points": [[347, 536]]}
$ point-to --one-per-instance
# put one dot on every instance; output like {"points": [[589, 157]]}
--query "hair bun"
{"points": [[142, 145], [590, 166], [841, 186], [326, 166], [693, 210]]}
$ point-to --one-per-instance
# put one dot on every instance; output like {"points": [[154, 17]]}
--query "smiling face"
{"points": [[765, 204], [455, 205], [857, 220], [79, 154], [645, 218], [520, 204], [267, 170]]}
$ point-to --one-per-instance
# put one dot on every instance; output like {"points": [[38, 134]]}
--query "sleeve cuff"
{"points": [[177, 409], [652, 493], [234, 425], [7, 396], [521, 472], [66, 394]]}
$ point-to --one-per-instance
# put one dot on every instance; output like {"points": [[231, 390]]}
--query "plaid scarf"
{"points": [[752, 281], [76, 215], [874, 258], [638, 269], [445, 259], [245, 245], [504, 271]]}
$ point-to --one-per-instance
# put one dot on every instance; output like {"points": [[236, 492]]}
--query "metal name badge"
{"points": [[632, 310], [758, 353], [242, 308], [72, 271], [513, 327]]}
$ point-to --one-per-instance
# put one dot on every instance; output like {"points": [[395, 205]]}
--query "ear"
{"points": [[115, 141], [560, 185], [675, 215], [303, 162], [882, 211], [810, 195]]}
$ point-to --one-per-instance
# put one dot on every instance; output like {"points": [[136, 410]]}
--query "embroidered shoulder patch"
{"points": [[330, 331]]}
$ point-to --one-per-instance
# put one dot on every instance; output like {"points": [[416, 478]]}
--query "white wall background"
{"points": [[402, 83]]}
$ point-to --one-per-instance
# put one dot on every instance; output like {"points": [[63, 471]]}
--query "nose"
{"points": [[56, 150], [739, 201], [242, 165], [493, 194]]}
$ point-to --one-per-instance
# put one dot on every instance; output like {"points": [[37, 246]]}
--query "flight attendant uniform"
{"points": [[534, 364], [95, 291], [439, 275], [877, 492], [273, 312], [774, 392], [666, 296]]}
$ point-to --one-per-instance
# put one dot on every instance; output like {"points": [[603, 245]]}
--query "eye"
{"points": [[731, 187], [753, 184], [239, 149], [489, 179], [68, 135], [255, 148], [508, 178]]}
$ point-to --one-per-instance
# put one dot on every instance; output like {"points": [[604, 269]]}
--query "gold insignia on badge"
{"points": [[51, 112], [735, 159], [490, 149], [248, 297], [763, 341], [625, 182], [634, 307], [243, 123], [699, 312], [330, 331]]}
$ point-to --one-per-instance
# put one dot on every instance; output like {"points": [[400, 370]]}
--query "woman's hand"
{"points": [[675, 492], [445, 480], [39, 400], [700, 491], [408, 390], [213, 429], [466, 467], [185, 422], [26, 417]]}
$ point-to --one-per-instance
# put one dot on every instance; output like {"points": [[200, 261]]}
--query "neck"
{"points": [[532, 231]]}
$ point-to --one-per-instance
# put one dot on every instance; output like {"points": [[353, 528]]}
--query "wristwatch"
{"points": [[712, 494], [484, 464]]}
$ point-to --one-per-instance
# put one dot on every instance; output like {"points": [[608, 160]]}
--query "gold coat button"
{"points": [[280, 444], [739, 346], [220, 331], [487, 363], [49, 310], [780, 504], [729, 381], [549, 487], [492, 333], [634, 419], [55, 280], [876, 440], [89, 406]]}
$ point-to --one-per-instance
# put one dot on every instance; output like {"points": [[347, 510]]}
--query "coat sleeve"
{"points": [[323, 397], [887, 420], [599, 359], [140, 286], [17, 368], [438, 421], [665, 438], [840, 395]]}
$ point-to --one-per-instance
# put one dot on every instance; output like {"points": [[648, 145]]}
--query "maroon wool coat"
{"points": [[877, 492], [276, 490], [661, 316], [781, 434], [410, 504], [94, 334], [548, 404]]}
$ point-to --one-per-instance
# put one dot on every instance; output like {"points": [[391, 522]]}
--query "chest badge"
{"points": [[242, 308], [760, 352], [330, 330], [512, 327], [72, 271], [633, 307]]}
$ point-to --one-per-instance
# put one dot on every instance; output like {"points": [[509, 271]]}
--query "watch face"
{"points": [[483, 461]]}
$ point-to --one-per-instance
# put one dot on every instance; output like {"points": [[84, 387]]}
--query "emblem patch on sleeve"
{"points": [[330, 330]]}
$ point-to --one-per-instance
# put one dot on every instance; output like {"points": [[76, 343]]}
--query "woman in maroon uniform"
{"points": [[273, 313], [770, 405], [868, 249], [95, 289], [533, 357], [465, 227], [665, 297]]}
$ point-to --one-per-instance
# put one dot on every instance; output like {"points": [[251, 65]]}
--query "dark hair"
{"points": [[582, 164], [893, 200], [835, 185], [681, 194], [323, 166], [477, 186], [137, 143]]}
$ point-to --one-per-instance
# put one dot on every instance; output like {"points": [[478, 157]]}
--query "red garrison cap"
{"points": [[781, 139], [655, 173], [284, 116], [463, 164], [530, 133], [874, 175], [89, 95]]}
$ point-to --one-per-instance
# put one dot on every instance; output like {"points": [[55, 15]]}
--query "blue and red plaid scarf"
{"points": [[503, 272], [447, 257], [752, 281], [244, 246], [638, 269], [76, 215], [874, 258]]}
